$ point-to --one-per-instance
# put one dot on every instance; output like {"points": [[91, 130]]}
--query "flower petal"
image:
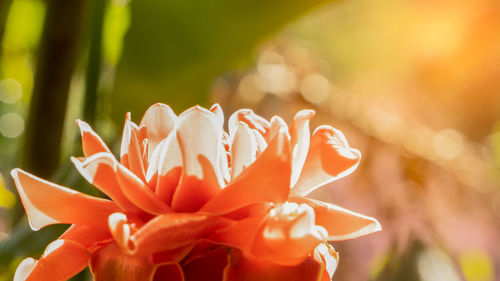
{"points": [[109, 263], [288, 235], [131, 153], [138, 192], [100, 170], [91, 142], [327, 255], [218, 112], [329, 158], [267, 179], [277, 125], [300, 138], [200, 135], [340, 223], [61, 260], [159, 120], [174, 230], [89, 237], [166, 167], [253, 121], [243, 149], [245, 268], [48, 203]]}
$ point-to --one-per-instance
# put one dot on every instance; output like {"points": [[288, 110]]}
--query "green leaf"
{"points": [[174, 49]]}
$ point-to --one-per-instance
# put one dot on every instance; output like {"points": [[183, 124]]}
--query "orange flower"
{"points": [[187, 201]]}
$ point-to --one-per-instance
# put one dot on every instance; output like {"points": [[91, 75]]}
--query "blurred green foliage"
{"points": [[176, 48]]}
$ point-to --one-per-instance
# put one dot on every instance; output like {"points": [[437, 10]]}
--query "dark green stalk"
{"points": [[58, 55], [94, 61]]}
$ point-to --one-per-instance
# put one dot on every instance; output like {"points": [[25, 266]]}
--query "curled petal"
{"points": [[61, 260], [246, 268], [243, 149], [267, 179], [253, 121], [174, 230], [138, 192], [300, 138], [159, 120], [289, 234], [327, 255], [120, 229], [48, 203], [329, 158], [340, 223], [200, 135], [91, 142], [99, 170], [109, 263]]}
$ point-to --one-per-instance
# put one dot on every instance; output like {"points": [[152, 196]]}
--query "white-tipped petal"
{"points": [[243, 149], [300, 138]]}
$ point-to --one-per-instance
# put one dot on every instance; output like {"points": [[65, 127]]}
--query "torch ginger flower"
{"points": [[188, 201]]}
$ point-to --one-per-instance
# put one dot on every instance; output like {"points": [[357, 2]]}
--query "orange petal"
{"points": [[170, 272], [207, 267], [89, 237], [48, 203], [174, 230], [243, 149], [241, 235], [248, 221], [131, 153], [109, 263], [340, 223], [166, 166], [300, 139], [61, 260], [138, 192], [288, 235], [91, 142], [329, 158], [267, 179], [200, 135], [244, 268], [99, 170], [327, 255], [253, 121], [159, 121]]}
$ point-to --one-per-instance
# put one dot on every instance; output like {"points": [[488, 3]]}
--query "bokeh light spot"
{"points": [[11, 125], [315, 88], [10, 91]]}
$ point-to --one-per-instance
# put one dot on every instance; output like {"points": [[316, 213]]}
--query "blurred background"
{"points": [[414, 85]]}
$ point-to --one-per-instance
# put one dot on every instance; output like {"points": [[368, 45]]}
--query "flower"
{"points": [[188, 201]]}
